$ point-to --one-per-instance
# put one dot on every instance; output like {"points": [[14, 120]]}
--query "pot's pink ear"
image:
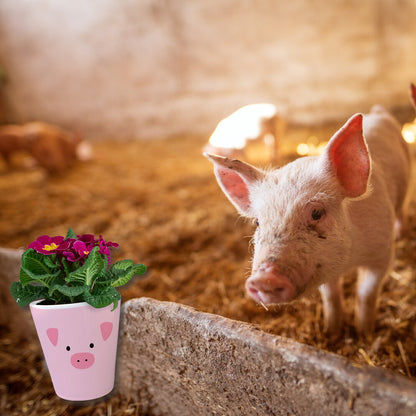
{"points": [[52, 334], [106, 329], [348, 157], [235, 178], [413, 94]]}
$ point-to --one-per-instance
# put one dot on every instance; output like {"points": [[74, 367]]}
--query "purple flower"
{"points": [[72, 249], [78, 251], [82, 249], [46, 245], [105, 248], [65, 245], [70, 256], [88, 239], [106, 243]]}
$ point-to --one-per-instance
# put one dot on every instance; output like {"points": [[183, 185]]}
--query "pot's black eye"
{"points": [[257, 222], [317, 213], [68, 348], [91, 345]]}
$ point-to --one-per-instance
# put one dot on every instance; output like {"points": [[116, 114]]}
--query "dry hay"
{"points": [[160, 201]]}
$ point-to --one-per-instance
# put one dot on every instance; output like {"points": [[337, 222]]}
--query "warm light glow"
{"points": [[409, 132], [321, 147], [312, 147], [242, 125], [302, 149]]}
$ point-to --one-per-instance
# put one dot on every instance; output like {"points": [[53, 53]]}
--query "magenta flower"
{"points": [[105, 247], [77, 251], [46, 245], [72, 249], [65, 245], [88, 239]]}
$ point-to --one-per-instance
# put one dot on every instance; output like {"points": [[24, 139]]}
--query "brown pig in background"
{"points": [[53, 148], [319, 217]]}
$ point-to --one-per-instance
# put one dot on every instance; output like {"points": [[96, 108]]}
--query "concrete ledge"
{"points": [[177, 361]]}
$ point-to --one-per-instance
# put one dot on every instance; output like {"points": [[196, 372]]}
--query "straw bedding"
{"points": [[159, 200]]}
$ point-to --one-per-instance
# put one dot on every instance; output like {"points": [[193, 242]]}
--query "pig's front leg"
{"points": [[333, 304], [368, 289]]}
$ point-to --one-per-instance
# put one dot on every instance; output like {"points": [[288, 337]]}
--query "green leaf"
{"points": [[139, 269], [122, 264], [70, 234], [45, 279], [50, 261], [25, 278], [70, 291], [34, 267], [104, 298], [23, 295], [67, 266], [93, 267], [52, 280], [34, 262], [125, 277]]}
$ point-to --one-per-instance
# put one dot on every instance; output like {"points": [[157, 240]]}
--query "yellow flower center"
{"points": [[49, 247], [86, 252]]}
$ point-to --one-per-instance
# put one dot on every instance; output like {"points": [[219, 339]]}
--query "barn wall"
{"points": [[151, 68]]}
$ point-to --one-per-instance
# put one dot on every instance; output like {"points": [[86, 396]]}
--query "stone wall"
{"points": [[174, 360], [151, 68]]}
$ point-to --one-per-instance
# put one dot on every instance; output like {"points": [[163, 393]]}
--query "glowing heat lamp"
{"points": [[249, 123], [409, 131]]}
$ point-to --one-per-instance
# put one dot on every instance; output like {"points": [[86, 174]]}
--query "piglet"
{"points": [[53, 148], [251, 123], [320, 217]]}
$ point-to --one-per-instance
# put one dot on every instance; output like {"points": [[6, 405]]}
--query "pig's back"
{"points": [[389, 153]]}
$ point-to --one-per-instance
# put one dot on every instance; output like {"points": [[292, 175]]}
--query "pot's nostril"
{"points": [[82, 360]]}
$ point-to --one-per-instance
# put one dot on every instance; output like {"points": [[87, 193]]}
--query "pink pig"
{"points": [[80, 345], [321, 216]]}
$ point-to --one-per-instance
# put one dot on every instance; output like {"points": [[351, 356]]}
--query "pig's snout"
{"points": [[82, 360], [269, 286]]}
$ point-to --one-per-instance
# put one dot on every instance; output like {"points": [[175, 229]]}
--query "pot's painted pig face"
{"points": [[84, 359]]}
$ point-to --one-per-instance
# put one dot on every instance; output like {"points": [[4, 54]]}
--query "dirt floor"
{"points": [[159, 200]]}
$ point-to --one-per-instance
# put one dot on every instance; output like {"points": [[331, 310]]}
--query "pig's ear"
{"points": [[52, 334], [106, 329], [413, 94], [347, 155], [235, 178]]}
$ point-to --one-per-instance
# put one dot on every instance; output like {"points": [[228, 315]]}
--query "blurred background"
{"points": [[152, 68]]}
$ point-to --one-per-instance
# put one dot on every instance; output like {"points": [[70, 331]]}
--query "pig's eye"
{"points": [[257, 222], [317, 213], [91, 345], [68, 348]]}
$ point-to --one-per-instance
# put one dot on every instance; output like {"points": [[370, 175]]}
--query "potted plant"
{"points": [[70, 285]]}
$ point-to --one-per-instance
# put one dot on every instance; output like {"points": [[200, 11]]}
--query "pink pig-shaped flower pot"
{"points": [[80, 347]]}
